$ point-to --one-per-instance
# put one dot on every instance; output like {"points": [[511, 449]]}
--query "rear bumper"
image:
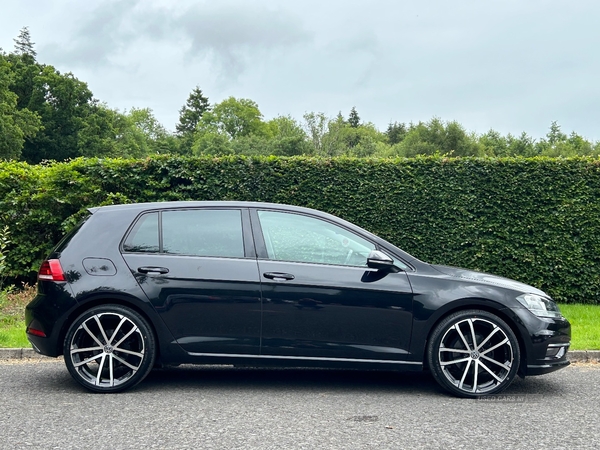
{"points": [[46, 315]]}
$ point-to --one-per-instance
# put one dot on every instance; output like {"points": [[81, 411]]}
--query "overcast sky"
{"points": [[510, 65]]}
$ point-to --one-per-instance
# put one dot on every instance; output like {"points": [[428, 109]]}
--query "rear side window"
{"points": [[144, 237], [196, 232]]}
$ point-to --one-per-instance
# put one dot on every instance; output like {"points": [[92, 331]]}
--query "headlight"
{"points": [[540, 306]]}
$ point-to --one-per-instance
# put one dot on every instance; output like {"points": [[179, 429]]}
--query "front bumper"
{"points": [[545, 342], [546, 368]]}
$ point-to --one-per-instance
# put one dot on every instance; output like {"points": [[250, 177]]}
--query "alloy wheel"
{"points": [[474, 354], [107, 350]]}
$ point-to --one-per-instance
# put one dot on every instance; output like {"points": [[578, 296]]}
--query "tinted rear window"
{"points": [[196, 232], [144, 235]]}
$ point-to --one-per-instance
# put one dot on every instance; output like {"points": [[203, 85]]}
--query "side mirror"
{"points": [[381, 261]]}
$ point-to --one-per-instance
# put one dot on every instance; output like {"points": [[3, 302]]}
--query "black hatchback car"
{"points": [[135, 286]]}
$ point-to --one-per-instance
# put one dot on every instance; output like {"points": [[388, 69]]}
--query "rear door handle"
{"points": [[149, 269], [278, 276]]}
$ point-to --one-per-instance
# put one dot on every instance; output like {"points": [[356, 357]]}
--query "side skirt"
{"points": [[304, 361]]}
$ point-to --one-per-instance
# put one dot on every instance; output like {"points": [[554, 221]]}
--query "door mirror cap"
{"points": [[380, 261]]}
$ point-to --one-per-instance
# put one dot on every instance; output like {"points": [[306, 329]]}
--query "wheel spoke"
{"points": [[126, 336], [123, 320], [465, 372], [457, 328], [97, 319], [454, 350], [487, 350], [504, 366], [494, 331], [92, 335], [100, 367], [110, 369], [129, 352], [476, 373], [122, 361], [81, 363], [473, 333], [487, 369], [455, 361], [87, 349]]}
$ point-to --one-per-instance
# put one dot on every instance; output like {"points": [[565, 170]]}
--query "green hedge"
{"points": [[536, 220]]}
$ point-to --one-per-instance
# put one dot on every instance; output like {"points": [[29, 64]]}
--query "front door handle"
{"points": [[278, 276], [149, 269]]}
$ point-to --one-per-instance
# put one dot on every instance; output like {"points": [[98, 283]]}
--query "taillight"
{"points": [[51, 270], [35, 332]]}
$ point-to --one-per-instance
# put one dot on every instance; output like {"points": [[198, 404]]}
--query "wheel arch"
{"points": [[107, 300], [485, 305]]}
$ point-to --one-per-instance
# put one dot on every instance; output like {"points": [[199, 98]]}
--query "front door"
{"points": [[320, 300]]}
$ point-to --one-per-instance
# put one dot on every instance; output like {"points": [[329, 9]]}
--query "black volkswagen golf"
{"points": [[135, 286]]}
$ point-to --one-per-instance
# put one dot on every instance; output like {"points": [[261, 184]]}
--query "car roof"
{"points": [[204, 204]]}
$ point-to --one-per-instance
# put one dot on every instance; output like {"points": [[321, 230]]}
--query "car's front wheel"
{"points": [[473, 353], [109, 348]]}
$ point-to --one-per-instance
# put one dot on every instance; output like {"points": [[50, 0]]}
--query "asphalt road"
{"points": [[227, 408]]}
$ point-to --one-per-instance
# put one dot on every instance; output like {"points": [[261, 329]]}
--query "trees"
{"points": [[191, 113], [353, 118], [23, 44], [63, 104], [158, 139], [132, 134], [315, 126], [335, 137], [436, 136], [557, 143], [233, 122], [16, 124], [57, 112], [287, 138], [48, 115], [235, 118], [396, 132]]}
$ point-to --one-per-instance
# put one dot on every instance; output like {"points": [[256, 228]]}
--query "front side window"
{"points": [[194, 232], [299, 238]]}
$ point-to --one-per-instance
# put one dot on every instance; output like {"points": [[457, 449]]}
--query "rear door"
{"points": [[198, 268]]}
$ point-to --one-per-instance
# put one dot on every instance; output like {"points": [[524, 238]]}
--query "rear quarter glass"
{"points": [[72, 232]]}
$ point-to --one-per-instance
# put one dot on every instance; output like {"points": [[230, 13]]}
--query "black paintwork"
{"points": [[252, 310]]}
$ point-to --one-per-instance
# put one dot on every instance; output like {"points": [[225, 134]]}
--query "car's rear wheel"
{"points": [[473, 353], [109, 348]]}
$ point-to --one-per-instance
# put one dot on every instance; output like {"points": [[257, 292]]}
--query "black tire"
{"points": [[468, 370], [109, 348]]}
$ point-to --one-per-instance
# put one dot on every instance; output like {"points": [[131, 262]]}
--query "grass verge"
{"points": [[585, 326], [12, 316], [585, 321]]}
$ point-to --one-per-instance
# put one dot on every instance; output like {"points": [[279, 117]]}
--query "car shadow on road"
{"points": [[273, 379], [220, 378], [277, 379]]}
